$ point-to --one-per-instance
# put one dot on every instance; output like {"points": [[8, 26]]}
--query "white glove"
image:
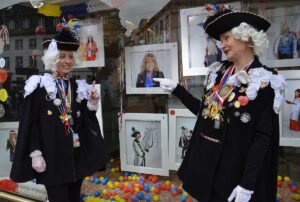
{"points": [[38, 162], [166, 84], [240, 194], [93, 98]]}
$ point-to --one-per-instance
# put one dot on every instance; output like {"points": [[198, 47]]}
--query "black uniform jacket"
{"points": [[141, 79], [41, 129], [246, 154]]}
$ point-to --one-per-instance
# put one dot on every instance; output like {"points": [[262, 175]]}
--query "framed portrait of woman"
{"points": [[143, 139], [198, 49], [290, 113], [91, 48], [143, 63]]}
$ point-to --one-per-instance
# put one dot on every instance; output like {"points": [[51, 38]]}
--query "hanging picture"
{"points": [[290, 113], [143, 140], [284, 37], [91, 48], [181, 126], [198, 49], [143, 63], [8, 141]]}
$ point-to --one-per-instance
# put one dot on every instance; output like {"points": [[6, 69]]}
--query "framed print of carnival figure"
{"points": [[91, 48], [290, 113], [198, 49], [8, 141], [143, 63], [284, 37], [181, 125], [143, 143]]}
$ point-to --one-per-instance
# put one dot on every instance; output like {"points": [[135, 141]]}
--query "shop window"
{"points": [[19, 44], [7, 62], [26, 23], [19, 62], [41, 22], [44, 45], [12, 24], [32, 62], [32, 43]]}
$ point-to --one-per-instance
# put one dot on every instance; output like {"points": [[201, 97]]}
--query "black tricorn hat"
{"points": [[65, 40], [226, 20]]}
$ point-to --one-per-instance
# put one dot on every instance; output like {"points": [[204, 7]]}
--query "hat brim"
{"points": [[230, 20], [67, 46]]}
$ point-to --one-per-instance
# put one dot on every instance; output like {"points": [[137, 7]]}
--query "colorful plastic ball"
{"points": [[104, 181], [286, 178], [92, 179], [97, 180], [140, 196], [108, 165], [97, 193], [126, 174], [185, 194], [121, 178], [134, 198], [174, 193], [155, 198], [113, 170], [296, 197], [279, 178], [183, 198], [87, 179], [104, 192], [167, 182], [147, 189], [294, 189], [148, 198]]}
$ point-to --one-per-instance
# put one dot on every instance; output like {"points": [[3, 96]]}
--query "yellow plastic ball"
{"points": [[286, 178], [167, 182], [113, 170], [279, 178], [87, 179], [121, 178], [136, 189], [104, 192], [155, 198], [185, 194]]}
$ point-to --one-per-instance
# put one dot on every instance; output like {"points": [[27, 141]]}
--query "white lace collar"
{"points": [[48, 82]]}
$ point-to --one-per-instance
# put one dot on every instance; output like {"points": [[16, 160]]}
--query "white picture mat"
{"points": [[182, 117], [278, 17], [99, 111], [5, 164], [157, 157], [167, 59], [193, 39], [289, 137], [96, 30]]}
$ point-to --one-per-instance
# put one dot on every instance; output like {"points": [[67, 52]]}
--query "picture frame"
{"points": [[7, 143], [181, 124], [283, 36], [143, 143], [91, 49], [289, 116], [198, 50], [164, 58]]}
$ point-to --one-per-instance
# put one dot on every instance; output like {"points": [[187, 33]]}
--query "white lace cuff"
{"points": [[92, 107], [35, 153]]}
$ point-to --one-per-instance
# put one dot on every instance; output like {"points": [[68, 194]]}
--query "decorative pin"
{"points": [[57, 102], [237, 104], [76, 142], [78, 113], [231, 97], [245, 117], [217, 122], [49, 112], [237, 114]]}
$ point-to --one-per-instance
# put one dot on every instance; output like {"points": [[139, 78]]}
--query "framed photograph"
{"points": [[143, 143], [8, 141], [91, 48], [198, 49], [290, 113], [181, 126], [284, 37], [143, 63]]}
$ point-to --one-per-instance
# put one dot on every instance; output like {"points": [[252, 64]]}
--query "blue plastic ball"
{"points": [[140, 196], [148, 198]]}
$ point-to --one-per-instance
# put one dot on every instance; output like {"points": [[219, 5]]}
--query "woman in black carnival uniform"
{"points": [[233, 152], [59, 138]]}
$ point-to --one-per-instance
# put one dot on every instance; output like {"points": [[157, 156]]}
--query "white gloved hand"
{"points": [[38, 162], [166, 84], [240, 194], [93, 98]]}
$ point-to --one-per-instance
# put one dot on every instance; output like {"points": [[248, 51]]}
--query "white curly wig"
{"points": [[50, 60], [246, 32]]}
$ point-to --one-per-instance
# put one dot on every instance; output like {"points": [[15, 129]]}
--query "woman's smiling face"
{"points": [[65, 61]]}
